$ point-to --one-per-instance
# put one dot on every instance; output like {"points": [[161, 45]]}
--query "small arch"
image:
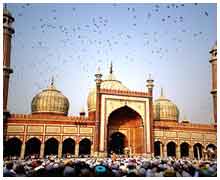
{"points": [[13, 147], [197, 149], [51, 147], [157, 150], [117, 143], [211, 151], [68, 146], [32, 147], [211, 146], [184, 149], [84, 147], [171, 149]]}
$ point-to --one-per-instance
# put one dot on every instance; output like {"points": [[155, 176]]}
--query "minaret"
{"points": [[111, 68], [213, 62], [98, 80], [150, 85], [7, 35]]}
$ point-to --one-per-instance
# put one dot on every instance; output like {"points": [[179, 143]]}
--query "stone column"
{"points": [[165, 151], [22, 150], [60, 150], [92, 150], [161, 150], [42, 150], [198, 153], [191, 154], [178, 155], [77, 149]]}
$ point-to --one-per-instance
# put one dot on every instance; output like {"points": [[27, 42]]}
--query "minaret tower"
{"points": [[213, 62], [7, 35]]}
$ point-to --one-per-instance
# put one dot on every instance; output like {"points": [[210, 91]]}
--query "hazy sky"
{"points": [[69, 41]]}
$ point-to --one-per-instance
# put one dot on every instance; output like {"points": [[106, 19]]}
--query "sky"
{"points": [[69, 42]]}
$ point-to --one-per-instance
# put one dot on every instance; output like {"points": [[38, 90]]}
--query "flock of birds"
{"points": [[91, 36]]}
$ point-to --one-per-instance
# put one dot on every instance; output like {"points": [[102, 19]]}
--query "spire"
{"points": [[98, 70], [111, 68], [111, 76], [161, 92], [52, 81], [51, 86], [5, 6]]}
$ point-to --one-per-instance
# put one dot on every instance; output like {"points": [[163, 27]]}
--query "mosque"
{"points": [[119, 120]]}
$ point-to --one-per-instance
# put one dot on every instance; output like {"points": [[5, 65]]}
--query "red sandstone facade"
{"points": [[122, 122]]}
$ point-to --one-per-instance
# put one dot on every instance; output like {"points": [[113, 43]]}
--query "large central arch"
{"points": [[129, 123]]}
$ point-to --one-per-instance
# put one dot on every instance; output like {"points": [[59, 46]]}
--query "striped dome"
{"points": [[50, 100], [164, 109]]}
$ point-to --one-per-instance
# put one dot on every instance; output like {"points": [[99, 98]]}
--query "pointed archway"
{"points": [[68, 146], [157, 149], [51, 147], [184, 149], [84, 147], [211, 151], [171, 149], [129, 121], [32, 147], [197, 149], [13, 147]]}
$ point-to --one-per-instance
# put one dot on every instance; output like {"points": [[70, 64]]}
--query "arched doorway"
{"points": [[32, 147], [171, 149], [211, 151], [184, 149], [157, 148], [130, 122], [117, 143], [68, 146], [13, 147], [197, 149], [84, 147], [51, 147]]}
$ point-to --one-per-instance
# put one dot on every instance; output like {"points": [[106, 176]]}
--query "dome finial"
{"points": [[161, 92], [52, 81], [111, 68]]}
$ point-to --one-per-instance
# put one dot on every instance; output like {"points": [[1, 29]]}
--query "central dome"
{"points": [[110, 82], [50, 100]]}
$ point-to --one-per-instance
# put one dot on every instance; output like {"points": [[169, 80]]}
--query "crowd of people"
{"points": [[109, 167]]}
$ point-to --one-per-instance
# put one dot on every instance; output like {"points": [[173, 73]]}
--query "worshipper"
{"points": [[107, 167], [8, 170], [19, 170]]}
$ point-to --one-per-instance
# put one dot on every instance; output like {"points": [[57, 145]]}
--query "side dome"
{"points": [[110, 82], [50, 100], [164, 109]]}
